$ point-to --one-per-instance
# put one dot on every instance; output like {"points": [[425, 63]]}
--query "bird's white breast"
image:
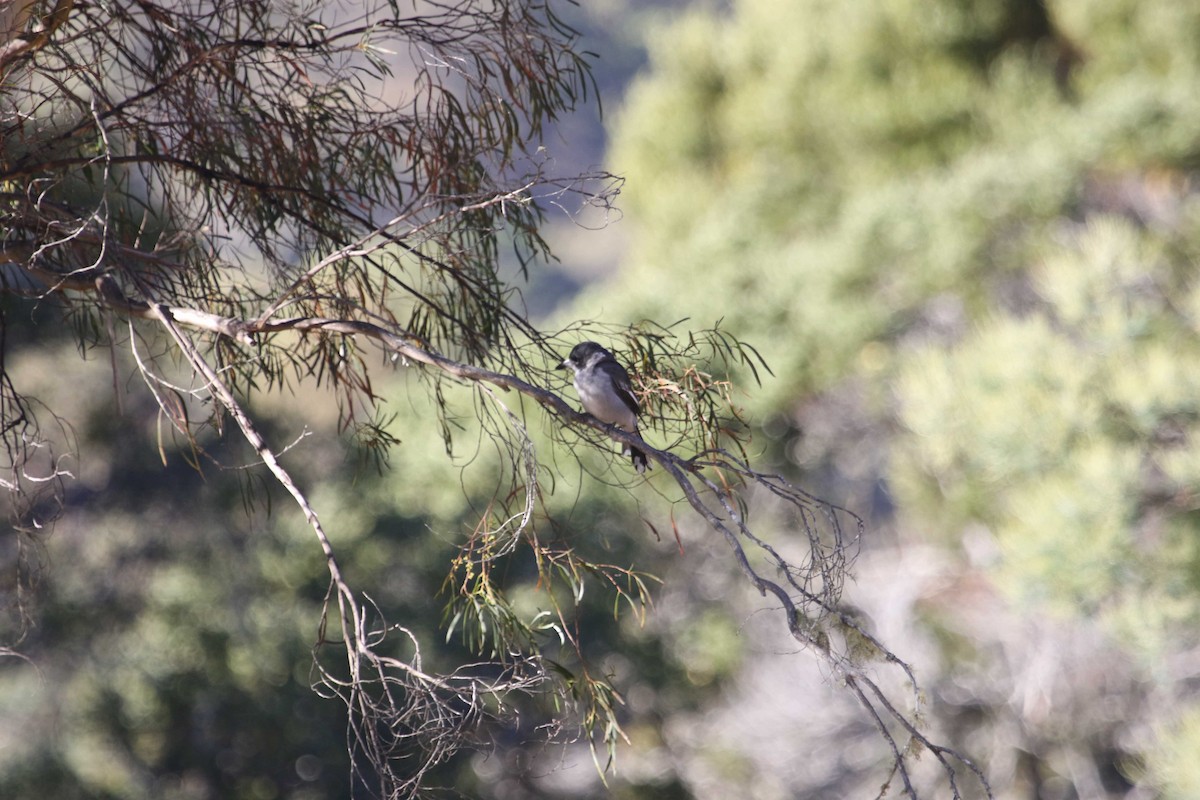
{"points": [[605, 405]]}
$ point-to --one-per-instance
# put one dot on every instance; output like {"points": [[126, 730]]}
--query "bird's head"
{"points": [[582, 355]]}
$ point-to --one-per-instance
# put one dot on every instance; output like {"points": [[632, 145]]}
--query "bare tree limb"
{"points": [[808, 598], [232, 139]]}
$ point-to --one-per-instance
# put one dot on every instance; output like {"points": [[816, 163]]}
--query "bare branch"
{"points": [[811, 596], [234, 170]]}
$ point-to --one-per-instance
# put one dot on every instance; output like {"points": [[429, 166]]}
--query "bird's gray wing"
{"points": [[620, 380]]}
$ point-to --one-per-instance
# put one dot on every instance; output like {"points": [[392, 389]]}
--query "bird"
{"points": [[604, 388]]}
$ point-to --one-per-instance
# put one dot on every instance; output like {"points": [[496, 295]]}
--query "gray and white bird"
{"points": [[603, 386]]}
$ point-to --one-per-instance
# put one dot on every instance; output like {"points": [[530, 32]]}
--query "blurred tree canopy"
{"points": [[827, 172], [965, 235], [245, 207]]}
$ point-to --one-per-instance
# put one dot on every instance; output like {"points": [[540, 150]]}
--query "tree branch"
{"points": [[808, 597]]}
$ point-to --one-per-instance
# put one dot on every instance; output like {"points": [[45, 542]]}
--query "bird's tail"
{"points": [[640, 462]]}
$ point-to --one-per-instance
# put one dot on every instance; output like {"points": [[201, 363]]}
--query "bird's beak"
{"points": [[563, 365]]}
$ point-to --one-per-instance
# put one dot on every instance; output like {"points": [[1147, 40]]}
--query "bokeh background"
{"points": [[964, 236]]}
